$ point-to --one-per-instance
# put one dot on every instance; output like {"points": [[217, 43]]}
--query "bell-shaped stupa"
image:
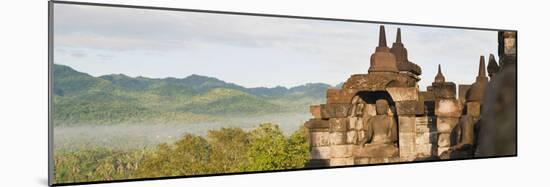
{"points": [[401, 56], [383, 60]]}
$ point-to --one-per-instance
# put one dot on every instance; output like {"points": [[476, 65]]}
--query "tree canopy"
{"points": [[225, 150]]}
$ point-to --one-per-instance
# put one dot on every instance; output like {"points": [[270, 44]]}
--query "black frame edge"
{"points": [[51, 4], [273, 171], [50, 95], [270, 15]]}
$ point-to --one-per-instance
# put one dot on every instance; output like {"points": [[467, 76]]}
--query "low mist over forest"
{"points": [[225, 150], [119, 127]]}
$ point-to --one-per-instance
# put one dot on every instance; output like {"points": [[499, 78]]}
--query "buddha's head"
{"points": [[382, 107]]}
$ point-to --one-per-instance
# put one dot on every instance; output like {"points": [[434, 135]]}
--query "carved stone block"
{"points": [[338, 151], [407, 124], [352, 123], [407, 158], [319, 138], [335, 110], [338, 124], [355, 123], [422, 128], [427, 96], [420, 108], [424, 150], [384, 160], [406, 107], [406, 143], [447, 108], [317, 124], [351, 137], [422, 138], [377, 160], [445, 90], [342, 161], [361, 161], [393, 159], [360, 135], [315, 111], [403, 93], [337, 96], [422, 121], [320, 152], [337, 138], [376, 151]]}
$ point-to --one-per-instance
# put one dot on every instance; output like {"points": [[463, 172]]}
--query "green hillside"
{"points": [[82, 99]]}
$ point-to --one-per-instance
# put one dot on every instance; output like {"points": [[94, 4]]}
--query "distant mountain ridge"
{"points": [[80, 98], [195, 82]]}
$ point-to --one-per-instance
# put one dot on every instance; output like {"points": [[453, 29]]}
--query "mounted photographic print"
{"points": [[140, 93]]}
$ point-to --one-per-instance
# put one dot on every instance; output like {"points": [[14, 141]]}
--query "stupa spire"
{"points": [[383, 60], [439, 78], [481, 74], [382, 37], [477, 90], [398, 37], [481, 71], [400, 52]]}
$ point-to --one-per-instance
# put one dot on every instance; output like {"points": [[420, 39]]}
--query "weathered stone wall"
{"points": [[425, 120], [339, 126], [426, 137], [406, 99], [448, 113], [319, 135]]}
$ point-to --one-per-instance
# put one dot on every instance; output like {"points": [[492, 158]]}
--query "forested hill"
{"points": [[80, 98]]}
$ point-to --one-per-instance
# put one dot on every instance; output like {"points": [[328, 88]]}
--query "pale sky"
{"points": [[250, 51]]}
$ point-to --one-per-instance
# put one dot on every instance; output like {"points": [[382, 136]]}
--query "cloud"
{"points": [[131, 29], [329, 51], [78, 54]]}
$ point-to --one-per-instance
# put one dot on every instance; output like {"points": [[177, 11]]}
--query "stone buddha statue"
{"points": [[382, 128], [462, 139], [358, 106]]}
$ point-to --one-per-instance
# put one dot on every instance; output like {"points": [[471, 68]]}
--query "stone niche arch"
{"points": [[364, 106], [371, 96], [368, 98], [402, 101]]}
